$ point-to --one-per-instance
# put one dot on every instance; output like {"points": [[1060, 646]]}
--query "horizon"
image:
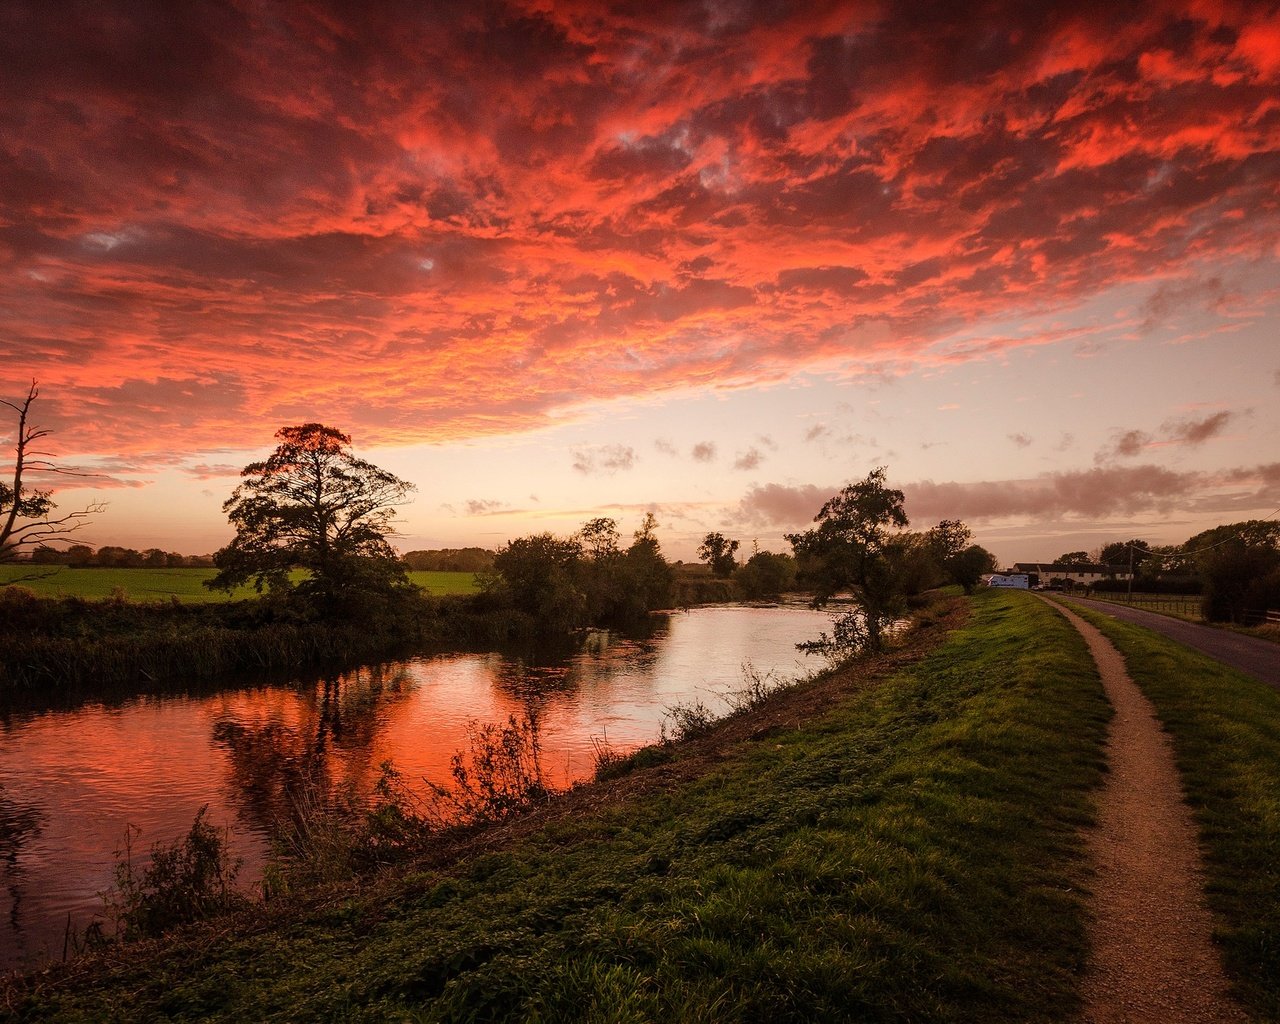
{"points": [[550, 263]]}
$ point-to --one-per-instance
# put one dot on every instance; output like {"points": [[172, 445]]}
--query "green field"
{"points": [[186, 585]]}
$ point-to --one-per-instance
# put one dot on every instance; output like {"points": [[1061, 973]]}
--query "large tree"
{"points": [[27, 514], [314, 505], [1125, 553], [961, 560], [718, 551], [1239, 564], [852, 548]]}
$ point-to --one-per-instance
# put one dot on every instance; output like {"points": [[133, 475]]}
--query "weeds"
{"points": [[686, 721], [608, 761], [500, 772], [497, 776], [849, 638], [186, 881], [315, 843], [756, 689], [399, 821]]}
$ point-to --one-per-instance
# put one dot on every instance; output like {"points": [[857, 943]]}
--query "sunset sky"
{"points": [[550, 261]]}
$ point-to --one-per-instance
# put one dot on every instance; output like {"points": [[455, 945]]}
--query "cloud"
{"points": [[781, 504], [1125, 444], [1089, 494], [1191, 432], [484, 507], [750, 459], [1197, 432], [817, 432], [1021, 440], [1098, 492], [604, 459], [1175, 297], [665, 447], [393, 225], [212, 471], [704, 451]]}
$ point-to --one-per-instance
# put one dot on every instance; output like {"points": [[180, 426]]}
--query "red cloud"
{"points": [[428, 223]]}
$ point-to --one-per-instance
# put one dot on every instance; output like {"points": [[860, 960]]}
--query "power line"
{"points": [[1195, 551]]}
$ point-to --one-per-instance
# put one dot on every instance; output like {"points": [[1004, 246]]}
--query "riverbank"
{"points": [[56, 648], [896, 840]]}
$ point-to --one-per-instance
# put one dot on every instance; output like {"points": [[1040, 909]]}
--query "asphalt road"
{"points": [[1248, 654]]}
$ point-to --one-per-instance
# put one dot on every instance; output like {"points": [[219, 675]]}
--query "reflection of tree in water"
{"points": [[278, 767], [528, 681], [542, 677], [19, 824]]}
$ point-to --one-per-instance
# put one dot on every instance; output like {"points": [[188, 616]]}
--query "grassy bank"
{"points": [[50, 649], [186, 585], [1226, 733], [895, 841]]}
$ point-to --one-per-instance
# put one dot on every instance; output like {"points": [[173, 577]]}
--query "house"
{"points": [[1081, 574]]}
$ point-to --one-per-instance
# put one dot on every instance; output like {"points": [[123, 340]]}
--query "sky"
{"points": [[550, 261]]}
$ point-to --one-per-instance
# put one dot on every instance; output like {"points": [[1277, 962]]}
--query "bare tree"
{"points": [[27, 514]]}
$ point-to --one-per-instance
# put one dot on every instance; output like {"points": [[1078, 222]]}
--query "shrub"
{"points": [[686, 721], [186, 881], [500, 773]]}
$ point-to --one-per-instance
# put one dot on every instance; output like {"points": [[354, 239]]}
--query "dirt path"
{"points": [[1153, 956]]}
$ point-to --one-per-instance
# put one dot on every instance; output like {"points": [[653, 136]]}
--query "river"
{"points": [[72, 782]]}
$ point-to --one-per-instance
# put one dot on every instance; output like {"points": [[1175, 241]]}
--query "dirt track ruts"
{"points": [[1152, 954]]}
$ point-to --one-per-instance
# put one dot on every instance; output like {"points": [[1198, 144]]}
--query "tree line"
{"points": [[313, 505], [81, 556], [1235, 568]]}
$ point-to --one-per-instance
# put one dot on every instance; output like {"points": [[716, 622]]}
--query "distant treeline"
{"points": [[449, 560], [81, 556]]}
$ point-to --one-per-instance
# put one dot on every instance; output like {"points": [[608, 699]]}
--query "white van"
{"points": [[1016, 580]]}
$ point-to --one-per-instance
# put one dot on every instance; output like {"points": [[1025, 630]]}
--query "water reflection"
{"points": [[19, 823], [252, 752], [284, 748]]}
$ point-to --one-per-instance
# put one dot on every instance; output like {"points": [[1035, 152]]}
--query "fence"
{"points": [[1184, 606]]}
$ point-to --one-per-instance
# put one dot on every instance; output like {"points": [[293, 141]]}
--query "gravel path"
{"points": [[1153, 957]]}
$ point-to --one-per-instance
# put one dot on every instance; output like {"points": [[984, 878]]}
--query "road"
{"points": [[1248, 654]]}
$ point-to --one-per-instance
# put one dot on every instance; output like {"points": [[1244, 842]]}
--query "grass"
{"points": [[1178, 606], [187, 585], [1226, 734], [445, 582], [895, 848]]}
